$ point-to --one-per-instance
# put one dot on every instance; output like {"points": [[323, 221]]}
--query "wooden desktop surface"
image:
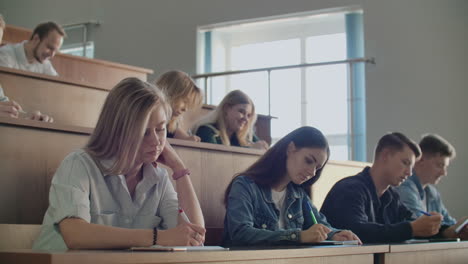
{"points": [[323, 255], [427, 253]]}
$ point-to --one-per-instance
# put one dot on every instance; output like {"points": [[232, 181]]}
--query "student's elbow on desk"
{"points": [[69, 229]]}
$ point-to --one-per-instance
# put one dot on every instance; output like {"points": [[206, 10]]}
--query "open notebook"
{"points": [[431, 240], [335, 242], [188, 248]]}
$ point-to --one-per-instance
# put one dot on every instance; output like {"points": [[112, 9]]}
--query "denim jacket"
{"points": [[412, 195], [252, 218]]}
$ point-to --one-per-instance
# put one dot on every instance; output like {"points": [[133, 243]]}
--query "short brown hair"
{"points": [[434, 144], [396, 141], [43, 29]]}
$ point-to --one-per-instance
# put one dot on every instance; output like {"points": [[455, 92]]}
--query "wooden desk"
{"points": [[262, 126], [70, 103], [427, 253], [31, 152], [323, 255], [79, 103]]}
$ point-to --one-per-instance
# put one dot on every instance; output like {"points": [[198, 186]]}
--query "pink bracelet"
{"points": [[179, 174]]}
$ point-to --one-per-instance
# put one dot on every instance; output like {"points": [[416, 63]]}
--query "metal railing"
{"points": [[84, 26], [350, 62], [268, 70]]}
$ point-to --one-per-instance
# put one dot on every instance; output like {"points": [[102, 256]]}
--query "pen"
{"points": [[425, 213], [183, 215], [311, 212], [22, 112]]}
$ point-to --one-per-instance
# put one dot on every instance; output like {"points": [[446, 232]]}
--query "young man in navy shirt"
{"points": [[368, 205]]}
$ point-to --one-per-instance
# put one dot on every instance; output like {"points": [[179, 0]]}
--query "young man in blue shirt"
{"points": [[367, 203], [418, 193]]}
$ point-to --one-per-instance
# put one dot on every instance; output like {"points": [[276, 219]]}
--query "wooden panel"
{"points": [[333, 172], [27, 169], [24, 189], [427, 253], [96, 72], [29, 159], [323, 255], [18, 236], [212, 171], [13, 34], [74, 68], [76, 102], [68, 103]]}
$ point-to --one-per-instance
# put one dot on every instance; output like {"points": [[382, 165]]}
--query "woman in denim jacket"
{"points": [[269, 203]]}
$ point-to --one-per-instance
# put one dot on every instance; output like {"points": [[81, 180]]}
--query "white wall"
{"points": [[418, 85]]}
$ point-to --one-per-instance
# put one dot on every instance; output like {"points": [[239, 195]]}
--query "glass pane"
{"points": [[327, 98], [266, 54], [285, 102], [326, 48], [217, 88], [255, 85], [339, 152]]}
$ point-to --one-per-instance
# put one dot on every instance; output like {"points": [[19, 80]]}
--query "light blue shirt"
{"points": [[79, 189], [413, 195], [14, 56], [3, 98]]}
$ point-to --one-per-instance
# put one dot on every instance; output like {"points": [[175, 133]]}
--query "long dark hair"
{"points": [[271, 167]]}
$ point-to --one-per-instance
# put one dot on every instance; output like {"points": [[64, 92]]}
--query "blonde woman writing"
{"points": [[112, 193]]}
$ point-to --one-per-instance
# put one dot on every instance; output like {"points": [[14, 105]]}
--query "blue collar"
{"points": [[414, 178]]}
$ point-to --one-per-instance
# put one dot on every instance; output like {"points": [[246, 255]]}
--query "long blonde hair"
{"points": [[121, 125], [179, 87], [218, 117]]}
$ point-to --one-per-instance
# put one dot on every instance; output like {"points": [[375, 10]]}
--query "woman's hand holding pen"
{"points": [[185, 234], [316, 233]]}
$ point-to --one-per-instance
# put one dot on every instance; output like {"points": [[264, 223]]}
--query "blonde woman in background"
{"points": [[232, 123], [112, 193], [182, 94]]}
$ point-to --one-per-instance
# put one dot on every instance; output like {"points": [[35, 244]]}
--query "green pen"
{"points": [[311, 212]]}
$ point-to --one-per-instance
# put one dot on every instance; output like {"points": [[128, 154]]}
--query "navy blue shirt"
{"points": [[353, 204]]}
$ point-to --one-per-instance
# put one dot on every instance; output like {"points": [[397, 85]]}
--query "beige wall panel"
{"points": [[68, 104], [332, 173]]}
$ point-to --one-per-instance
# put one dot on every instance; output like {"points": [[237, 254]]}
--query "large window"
{"points": [[317, 96]]}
